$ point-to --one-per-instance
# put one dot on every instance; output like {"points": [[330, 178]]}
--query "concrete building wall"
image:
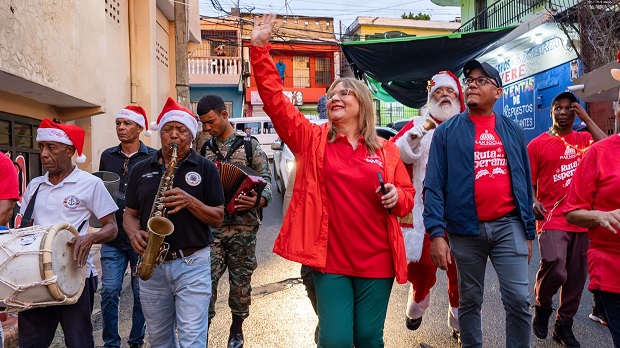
{"points": [[117, 81], [47, 45], [82, 61]]}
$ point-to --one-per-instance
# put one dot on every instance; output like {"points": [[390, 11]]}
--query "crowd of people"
{"points": [[456, 187]]}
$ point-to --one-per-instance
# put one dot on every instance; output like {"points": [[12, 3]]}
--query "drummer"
{"points": [[8, 196], [66, 193]]}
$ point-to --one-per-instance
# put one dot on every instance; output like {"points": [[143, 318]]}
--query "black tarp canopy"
{"points": [[401, 67]]}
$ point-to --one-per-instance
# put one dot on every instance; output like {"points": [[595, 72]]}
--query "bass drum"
{"points": [[37, 267]]}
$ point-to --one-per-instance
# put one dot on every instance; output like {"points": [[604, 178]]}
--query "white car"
{"points": [[259, 127], [284, 161]]}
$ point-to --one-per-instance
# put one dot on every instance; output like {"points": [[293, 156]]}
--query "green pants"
{"points": [[234, 248], [351, 310]]}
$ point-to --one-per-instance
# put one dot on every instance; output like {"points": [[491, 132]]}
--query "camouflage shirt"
{"points": [[260, 164], [201, 138]]}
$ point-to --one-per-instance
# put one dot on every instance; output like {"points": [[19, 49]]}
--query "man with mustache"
{"points": [[234, 246], [445, 99], [554, 156], [66, 193], [176, 296], [117, 253]]}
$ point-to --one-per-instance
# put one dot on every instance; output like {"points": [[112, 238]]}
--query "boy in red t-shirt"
{"points": [[554, 156]]}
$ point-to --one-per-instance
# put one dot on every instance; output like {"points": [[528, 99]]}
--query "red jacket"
{"points": [[304, 233]]}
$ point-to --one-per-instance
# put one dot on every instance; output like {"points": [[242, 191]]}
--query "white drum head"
{"points": [[70, 276]]}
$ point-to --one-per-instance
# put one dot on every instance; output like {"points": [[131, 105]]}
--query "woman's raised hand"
{"points": [[263, 27]]}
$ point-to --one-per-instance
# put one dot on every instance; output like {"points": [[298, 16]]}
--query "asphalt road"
{"points": [[281, 314]]}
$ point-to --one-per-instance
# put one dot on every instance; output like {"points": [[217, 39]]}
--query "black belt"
{"points": [[179, 253]]}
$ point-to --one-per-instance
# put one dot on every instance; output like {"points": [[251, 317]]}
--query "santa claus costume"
{"points": [[414, 142]]}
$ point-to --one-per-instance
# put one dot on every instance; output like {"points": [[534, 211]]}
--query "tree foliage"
{"points": [[419, 16]]}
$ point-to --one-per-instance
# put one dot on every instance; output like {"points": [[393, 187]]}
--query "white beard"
{"points": [[443, 112]]}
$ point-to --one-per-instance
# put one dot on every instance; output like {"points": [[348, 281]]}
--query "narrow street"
{"points": [[282, 317]]}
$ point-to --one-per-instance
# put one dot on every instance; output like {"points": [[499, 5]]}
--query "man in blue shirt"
{"points": [[281, 69], [117, 253], [478, 189]]}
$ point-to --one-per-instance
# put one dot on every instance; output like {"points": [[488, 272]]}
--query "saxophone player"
{"points": [[177, 295]]}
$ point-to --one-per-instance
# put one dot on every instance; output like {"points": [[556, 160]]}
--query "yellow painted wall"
{"points": [[371, 30]]}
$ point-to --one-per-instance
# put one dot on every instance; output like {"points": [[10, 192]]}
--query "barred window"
{"points": [[323, 71], [301, 72]]}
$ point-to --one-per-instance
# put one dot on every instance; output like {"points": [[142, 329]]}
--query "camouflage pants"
{"points": [[234, 247]]}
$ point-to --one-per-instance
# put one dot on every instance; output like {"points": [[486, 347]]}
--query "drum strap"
{"points": [[27, 218]]}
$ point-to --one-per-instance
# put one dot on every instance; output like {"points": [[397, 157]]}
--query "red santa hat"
{"points": [[446, 79], [63, 133], [137, 114], [615, 73], [175, 112]]}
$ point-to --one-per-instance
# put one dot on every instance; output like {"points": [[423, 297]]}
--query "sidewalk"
{"points": [[10, 324]]}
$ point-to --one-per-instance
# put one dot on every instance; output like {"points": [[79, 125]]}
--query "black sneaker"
{"points": [[456, 335], [413, 324], [563, 333], [235, 340], [540, 323]]}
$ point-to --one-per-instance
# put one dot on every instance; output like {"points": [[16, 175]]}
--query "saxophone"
{"points": [[158, 225]]}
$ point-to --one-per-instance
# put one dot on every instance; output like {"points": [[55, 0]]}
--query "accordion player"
{"points": [[239, 180]]}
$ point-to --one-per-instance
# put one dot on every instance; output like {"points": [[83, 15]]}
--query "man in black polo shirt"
{"points": [[176, 297], [117, 253]]}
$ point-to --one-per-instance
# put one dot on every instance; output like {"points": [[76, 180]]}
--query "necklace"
{"points": [[575, 147]]}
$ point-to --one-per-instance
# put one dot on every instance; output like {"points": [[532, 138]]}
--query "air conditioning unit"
{"points": [[247, 71]]}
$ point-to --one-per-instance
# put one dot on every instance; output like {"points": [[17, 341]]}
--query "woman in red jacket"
{"points": [[339, 221]]}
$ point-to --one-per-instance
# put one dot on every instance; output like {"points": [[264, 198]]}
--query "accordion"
{"points": [[239, 180]]}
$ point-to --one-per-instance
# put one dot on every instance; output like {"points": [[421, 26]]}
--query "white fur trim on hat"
{"points": [[180, 116], [53, 134], [442, 80], [132, 116]]}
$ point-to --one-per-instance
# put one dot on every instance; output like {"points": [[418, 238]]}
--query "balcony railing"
{"points": [[215, 66], [507, 12]]}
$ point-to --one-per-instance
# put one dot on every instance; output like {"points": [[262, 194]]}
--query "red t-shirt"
{"points": [[358, 242], [492, 187], [8, 179], [553, 164], [596, 186]]}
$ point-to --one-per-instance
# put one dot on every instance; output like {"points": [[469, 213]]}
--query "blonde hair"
{"points": [[367, 118]]}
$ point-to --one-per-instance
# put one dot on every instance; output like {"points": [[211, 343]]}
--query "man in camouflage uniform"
{"points": [[235, 241], [201, 137]]}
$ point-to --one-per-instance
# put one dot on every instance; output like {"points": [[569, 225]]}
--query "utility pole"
{"points": [[180, 52]]}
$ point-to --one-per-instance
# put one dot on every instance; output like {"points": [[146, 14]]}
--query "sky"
{"points": [[341, 10]]}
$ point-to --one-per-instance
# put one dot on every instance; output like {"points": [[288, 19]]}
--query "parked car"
{"points": [[386, 132], [259, 127], [398, 125], [284, 160], [284, 164]]}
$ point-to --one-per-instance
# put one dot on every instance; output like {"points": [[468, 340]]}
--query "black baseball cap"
{"points": [[486, 67], [565, 95]]}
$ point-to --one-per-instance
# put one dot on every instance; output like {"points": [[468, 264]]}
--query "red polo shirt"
{"points": [[358, 240]]}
